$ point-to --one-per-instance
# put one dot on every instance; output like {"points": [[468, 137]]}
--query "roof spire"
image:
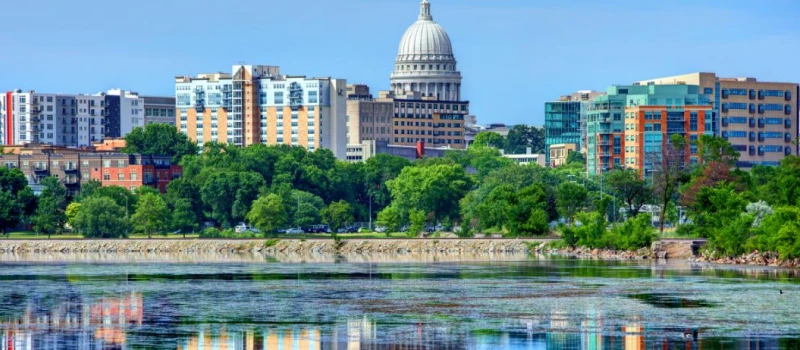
{"points": [[425, 11]]}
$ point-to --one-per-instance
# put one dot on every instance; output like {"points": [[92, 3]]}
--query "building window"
{"points": [[120, 176], [106, 177]]}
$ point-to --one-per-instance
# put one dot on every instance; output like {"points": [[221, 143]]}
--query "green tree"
{"points": [[417, 218], [489, 139], [576, 158], [183, 217], [668, 170], [433, 189], [159, 139], [571, 199], [268, 213], [100, 217], [627, 185], [50, 215], [16, 199], [152, 214], [71, 212], [716, 149], [520, 137], [230, 195], [303, 207], [337, 214], [391, 219]]}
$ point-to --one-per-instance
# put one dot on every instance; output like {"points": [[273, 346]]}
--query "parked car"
{"points": [[318, 229], [380, 229], [353, 229], [295, 231]]}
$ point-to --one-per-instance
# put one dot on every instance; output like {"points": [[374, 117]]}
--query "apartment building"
{"points": [[367, 119], [71, 120], [760, 119], [256, 104], [77, 166], [632, 125], [159, 110]]}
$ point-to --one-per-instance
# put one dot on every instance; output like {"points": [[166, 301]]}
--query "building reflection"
{"points": [[302, 338], [75, 324]]}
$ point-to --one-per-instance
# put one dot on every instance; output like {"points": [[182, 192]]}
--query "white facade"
{"points": [[425, 62]]}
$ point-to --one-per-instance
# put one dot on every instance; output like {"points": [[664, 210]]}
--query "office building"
{"points": [[562, 120], [760, 119], [256, 104], [367, 119]]}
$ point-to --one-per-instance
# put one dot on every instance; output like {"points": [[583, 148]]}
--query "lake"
{"points": [[509, 302]]}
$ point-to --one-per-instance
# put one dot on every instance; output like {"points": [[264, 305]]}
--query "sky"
{"points": [[514, 55]]}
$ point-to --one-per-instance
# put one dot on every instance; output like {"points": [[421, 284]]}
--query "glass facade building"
{"points": [[562, 124]]}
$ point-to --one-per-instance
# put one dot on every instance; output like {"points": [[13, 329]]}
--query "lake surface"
{"points": [[513, 302]]}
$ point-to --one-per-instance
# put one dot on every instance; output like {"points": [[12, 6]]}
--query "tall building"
{"points": [[426, 87], [760, 119], [632, 125], [72, 120], [255, 104], [562, 120]]}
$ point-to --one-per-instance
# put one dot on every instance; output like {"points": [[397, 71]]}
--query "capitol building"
{"points": [[425, 62], [423, 110]]}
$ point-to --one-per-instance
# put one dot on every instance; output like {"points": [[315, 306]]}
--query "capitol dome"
{"points": [[425, 39], [425, 62]]}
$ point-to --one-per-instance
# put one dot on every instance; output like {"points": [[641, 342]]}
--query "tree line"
{"points": [[467, 192]]}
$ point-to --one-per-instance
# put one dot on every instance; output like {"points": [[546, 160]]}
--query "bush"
{"points": [[210, 233], [633, 234]]}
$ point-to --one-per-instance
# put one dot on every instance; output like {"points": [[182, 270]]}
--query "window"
{"points": [[120, 176], [106, 177]]}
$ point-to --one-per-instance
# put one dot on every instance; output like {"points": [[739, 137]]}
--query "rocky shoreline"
{"points": [[602, 254], [765, 259], [271, 246]]}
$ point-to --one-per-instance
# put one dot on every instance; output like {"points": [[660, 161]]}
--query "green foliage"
{"points": [[635, 233], [434, 189], [571, 199], [337, 215], [377, 171], [183, 217], [71, 212], [152, 214], [489, 139], [576, 158], [159, 139], [16, 198], [391, 219], [628, 186], [50, 215], [229, 195], [417, 218], [100, 217], [268, 213], [521, 137]]}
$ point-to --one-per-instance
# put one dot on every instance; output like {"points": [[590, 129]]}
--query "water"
{"points": [[512, 302]]}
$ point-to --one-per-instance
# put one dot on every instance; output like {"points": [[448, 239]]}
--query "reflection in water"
{"points": [[531, 304]]}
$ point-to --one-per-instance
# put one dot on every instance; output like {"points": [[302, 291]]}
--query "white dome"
{"points": [[425, 40]]}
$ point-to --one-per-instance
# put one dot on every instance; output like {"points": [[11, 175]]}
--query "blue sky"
{"points": [[514, 54]]}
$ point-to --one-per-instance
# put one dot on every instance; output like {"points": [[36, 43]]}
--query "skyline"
{"points": [[505, 55]]}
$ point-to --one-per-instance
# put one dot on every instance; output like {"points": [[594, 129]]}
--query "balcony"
{"points": [[69, 168], [71, 181], [603, 143], [149, 181], [40, 168]]}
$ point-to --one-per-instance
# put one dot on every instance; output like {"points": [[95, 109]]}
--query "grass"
{"points": [[363, 235], [33, 235]]}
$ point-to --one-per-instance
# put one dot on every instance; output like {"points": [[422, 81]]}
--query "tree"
{"points": [[337, 214], [71, 212], [303, 207], [716, 149], [183, 217], [417, 218], [521, 137], [489, 139], [630, 188], [668, 169], [152, 214], [390, 218], [16, 199], [230, 194], [50, 215], [433, 189], [268, 213], [100, 217], [571, 199], [576, 158], [159, 139]]}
